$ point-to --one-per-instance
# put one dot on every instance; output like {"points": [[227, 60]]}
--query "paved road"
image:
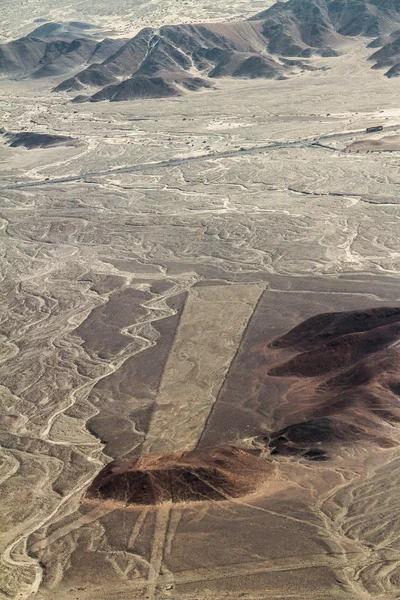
{"points": [[172, 162]]}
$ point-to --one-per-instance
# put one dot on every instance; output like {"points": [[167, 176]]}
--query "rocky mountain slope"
{"points": [[389, 54], [346, 365], [54, 49], [275, 44]]}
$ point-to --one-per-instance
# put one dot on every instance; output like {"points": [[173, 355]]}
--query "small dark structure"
{"points": [[373, 129]]}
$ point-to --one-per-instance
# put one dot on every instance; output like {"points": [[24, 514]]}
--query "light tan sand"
{"points": [[209, 333]]}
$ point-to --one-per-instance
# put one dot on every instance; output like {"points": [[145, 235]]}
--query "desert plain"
{"points": [[178, 421]]}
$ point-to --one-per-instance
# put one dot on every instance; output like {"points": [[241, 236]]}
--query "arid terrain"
{"points": [[200, 310]]}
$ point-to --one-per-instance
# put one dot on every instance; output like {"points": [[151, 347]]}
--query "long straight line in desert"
{"points": [[212, 325]]}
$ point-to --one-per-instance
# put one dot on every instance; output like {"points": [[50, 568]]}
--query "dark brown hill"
{"points": [[369, 18], [394, 71], [341, 352], [328, 326], [30, 139], [213, 474], [344, 382], [311, 439], [122, 63]]}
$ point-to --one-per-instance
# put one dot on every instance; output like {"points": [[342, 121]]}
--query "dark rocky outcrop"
{"points": [[142, 86], [328, 326], [214, 474], [30, 139], [394, 71], [347, 366], [311, 438], [174, 54]]}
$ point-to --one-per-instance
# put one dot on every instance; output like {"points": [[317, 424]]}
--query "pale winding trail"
{"points": [[24, 559]]}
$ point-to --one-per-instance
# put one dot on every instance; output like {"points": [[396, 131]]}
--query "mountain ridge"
{"points": [[178, 58]]}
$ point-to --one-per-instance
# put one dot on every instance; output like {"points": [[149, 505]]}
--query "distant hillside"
{"points": [[54, 49], [274, 44], [30, 139], [183, 56], [348, 364], [389, 55], [307, 27], [316, 19]]}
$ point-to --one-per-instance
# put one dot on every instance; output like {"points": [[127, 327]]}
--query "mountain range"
{"points": [[274, 44]]}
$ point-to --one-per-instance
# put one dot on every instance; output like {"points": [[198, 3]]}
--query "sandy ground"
{"points": [[105, 263]]}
